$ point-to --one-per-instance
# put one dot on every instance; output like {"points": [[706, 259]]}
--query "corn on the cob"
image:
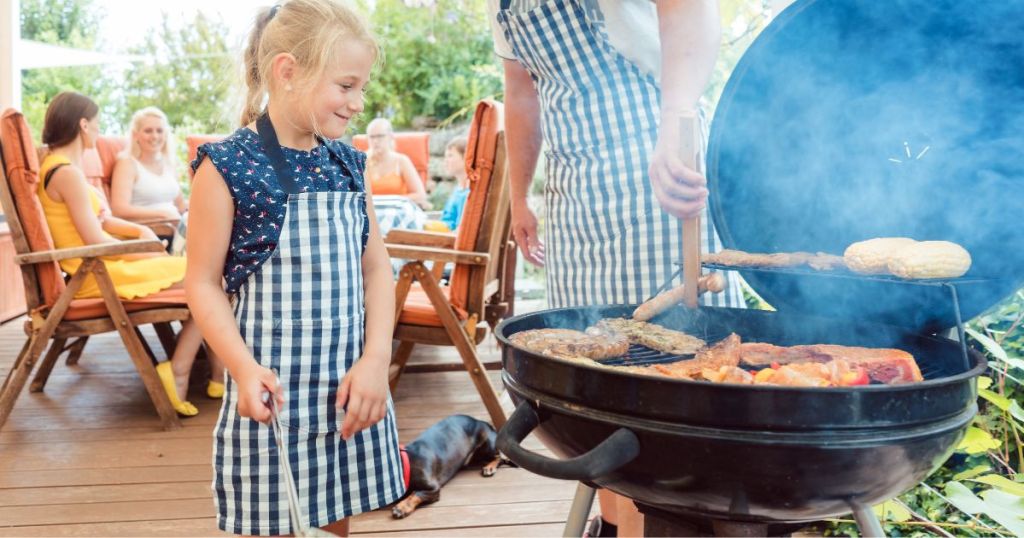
{"points": [[872, 256], [930, 259]]}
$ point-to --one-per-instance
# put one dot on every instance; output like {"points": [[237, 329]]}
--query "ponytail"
{"points": [[253, 106]]}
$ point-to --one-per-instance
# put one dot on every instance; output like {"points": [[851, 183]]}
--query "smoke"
{"points": [[851, 119]]}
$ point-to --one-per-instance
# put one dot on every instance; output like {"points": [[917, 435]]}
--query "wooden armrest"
{"points": [[420, 238], [91, 251], [437, 254], [154, 220]]}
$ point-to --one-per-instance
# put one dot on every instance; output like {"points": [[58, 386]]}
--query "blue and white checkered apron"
{"points": [[302, 314], [607, 240]]}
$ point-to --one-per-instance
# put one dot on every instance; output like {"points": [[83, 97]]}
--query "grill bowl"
{"points": [[739, 452]]}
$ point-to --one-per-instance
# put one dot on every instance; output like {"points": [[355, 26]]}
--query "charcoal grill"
{"points": [[802, 158]]}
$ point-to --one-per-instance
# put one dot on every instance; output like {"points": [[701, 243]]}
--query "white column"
{"points": [[10, 70]]}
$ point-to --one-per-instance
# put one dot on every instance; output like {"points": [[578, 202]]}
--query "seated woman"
{"points": [[455, 164], [388, 171], [144, 184], [75, 217]]}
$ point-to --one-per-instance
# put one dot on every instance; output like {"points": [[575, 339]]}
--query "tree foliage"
{"points": [[191, 77], [438, 61], [70, 23]]}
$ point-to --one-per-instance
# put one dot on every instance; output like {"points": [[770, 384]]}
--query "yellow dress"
{"points": [[132, 278]]}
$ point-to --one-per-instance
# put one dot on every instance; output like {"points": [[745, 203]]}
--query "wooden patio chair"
{"points": [[55, 316], [481, 289]]}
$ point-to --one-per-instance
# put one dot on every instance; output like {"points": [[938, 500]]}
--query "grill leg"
{"points": [[578, 512], [867, 522]]}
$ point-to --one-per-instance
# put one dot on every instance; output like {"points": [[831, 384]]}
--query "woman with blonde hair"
{"points": [[76, 217], [389, 171], [145, 180]]}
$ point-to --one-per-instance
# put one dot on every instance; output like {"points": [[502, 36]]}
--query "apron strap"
{"points": [[285, 176], [505, 4]]}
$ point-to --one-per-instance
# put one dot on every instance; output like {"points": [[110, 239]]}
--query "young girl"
{"points": [[286, 224], [75, 215]]}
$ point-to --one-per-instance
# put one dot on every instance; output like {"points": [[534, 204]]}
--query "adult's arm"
{"points": [[412, 179], [690, 33], [523, 138]]}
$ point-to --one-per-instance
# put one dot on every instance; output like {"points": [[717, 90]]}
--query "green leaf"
{"points": [[1002, 402], [1005, 509], [977, 441], [984, 382], [963, 498], [1002, 483], [892, 511], [1016, 411], [989, 344], [972, 472]]}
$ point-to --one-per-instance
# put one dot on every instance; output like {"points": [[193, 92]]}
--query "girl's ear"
{"points": [[284, 70]]}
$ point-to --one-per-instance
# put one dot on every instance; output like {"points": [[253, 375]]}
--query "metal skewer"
{"points": [[295, 513]]}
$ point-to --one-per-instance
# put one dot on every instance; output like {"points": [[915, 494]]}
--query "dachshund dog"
{"points": [[441, 452]]}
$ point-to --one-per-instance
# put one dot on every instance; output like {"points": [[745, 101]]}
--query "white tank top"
{"points": [[151, 190]]}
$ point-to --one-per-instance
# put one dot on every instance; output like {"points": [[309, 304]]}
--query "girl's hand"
{"points": [[254, 380], [364, 395]]}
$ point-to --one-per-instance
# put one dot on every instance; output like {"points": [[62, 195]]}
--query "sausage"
{"points": [[713, 282]]}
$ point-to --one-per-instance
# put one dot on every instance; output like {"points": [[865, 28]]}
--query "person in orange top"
{"points": [[76, 217], [388, 171]]}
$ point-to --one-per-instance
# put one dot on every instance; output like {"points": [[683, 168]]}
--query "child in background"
{"points": [[455, 164], [288, 226]]}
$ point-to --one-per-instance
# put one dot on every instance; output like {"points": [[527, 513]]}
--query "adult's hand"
{"points": [[524, 230], [680, 190]]}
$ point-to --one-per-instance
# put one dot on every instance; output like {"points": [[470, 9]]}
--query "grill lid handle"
{"points": [[620, 448]]}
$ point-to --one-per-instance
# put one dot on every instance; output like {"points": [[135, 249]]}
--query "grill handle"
{"points": [[620, 448]]}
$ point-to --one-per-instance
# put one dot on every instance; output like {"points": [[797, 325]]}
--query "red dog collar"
{"points": [[406, 469]]}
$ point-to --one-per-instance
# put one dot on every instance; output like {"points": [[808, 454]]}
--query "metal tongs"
{"points": [[295, 513]]}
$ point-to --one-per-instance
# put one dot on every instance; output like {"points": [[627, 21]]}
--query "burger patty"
{"points": [[571, 344]]}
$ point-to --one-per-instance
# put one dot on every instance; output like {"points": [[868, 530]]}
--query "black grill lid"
{"points": [[850, 119]]}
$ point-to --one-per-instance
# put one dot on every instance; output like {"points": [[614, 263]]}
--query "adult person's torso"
{"points": [[154, 187], [631, 25], [387, 177]]}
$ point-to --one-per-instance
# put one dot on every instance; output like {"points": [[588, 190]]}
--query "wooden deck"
{"points": [[87, 458]]}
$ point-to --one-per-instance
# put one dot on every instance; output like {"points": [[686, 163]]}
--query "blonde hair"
{"points": [[309, 30], [133, 148]]}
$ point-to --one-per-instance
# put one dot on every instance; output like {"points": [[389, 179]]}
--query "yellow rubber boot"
{"points": [[215, 390], [185, 409]]}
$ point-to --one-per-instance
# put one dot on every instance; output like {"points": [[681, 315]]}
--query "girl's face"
{"points": [[90, 132], [151, 136], [338, 96], [454, 162]]}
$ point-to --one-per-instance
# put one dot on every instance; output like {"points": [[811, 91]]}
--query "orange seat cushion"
{"points": [[418, 310], [95, 308], [22, 170]]}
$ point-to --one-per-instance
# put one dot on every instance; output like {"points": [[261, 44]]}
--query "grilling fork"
{"points": [[688, 137]]}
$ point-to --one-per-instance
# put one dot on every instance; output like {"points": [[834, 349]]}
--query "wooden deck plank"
{"points": [[87, 458]]}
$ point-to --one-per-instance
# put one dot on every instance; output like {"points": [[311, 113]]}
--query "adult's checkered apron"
{"points": [[302, 314], [607, 240]]}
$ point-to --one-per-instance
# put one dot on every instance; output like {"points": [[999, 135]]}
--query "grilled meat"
{"points": [[571, 344], [653, 336], [724, 354], [884, 365]]}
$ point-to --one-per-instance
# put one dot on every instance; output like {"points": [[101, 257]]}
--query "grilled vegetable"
{"points": [[872, 256], [930, 259]]}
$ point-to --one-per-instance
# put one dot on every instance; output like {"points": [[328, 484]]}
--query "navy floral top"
{"points": [[260, 202]]}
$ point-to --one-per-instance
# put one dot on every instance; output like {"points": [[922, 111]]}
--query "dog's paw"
{"points": [[488, 471], [398, 513]]}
